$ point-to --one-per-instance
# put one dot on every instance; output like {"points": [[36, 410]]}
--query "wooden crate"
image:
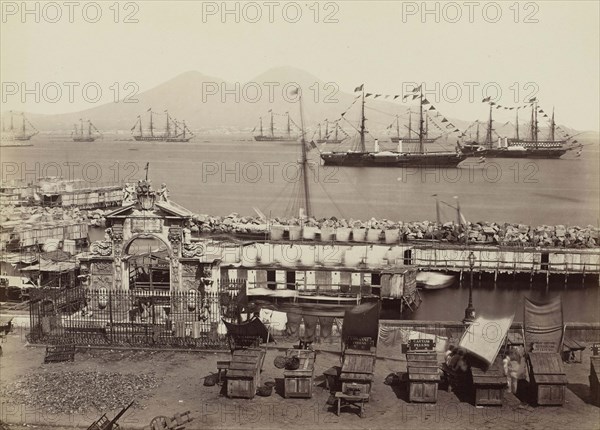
{"points": [[299, 382], [489, 385], [243, 375], [548, 378], [423, 377], [594, 384], [357, 370]]}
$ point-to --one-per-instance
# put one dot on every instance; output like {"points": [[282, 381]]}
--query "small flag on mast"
{"points": [[359, 88]]}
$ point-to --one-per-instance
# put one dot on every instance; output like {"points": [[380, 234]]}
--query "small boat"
{"points": [[434, 280]]}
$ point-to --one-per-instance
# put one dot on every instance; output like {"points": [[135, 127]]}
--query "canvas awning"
{"points": [[484, 337]]}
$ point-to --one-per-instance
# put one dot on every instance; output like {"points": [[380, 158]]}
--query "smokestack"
{"points": [[400, 145]]}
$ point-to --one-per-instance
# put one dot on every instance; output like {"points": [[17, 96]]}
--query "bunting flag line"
{"points": [[359, 88], [487, 99], [417, 89]]}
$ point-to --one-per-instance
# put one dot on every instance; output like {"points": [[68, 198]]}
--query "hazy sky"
{"points": [[382, 44]]}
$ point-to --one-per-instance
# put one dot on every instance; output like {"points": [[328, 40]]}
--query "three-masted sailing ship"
{"points": [[398, 158], [413, 136], [90, 134], [17, 136], [174, 131], [271, 137], [331, 136], [533, 147]]}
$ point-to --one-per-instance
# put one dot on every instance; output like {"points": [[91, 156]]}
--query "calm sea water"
{"points": [[220, 175]]}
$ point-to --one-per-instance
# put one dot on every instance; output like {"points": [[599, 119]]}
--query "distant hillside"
{"points": [[199, 99]]}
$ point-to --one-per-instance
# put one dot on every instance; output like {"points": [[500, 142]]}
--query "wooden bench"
{"points": [[351, 399], [58, 353]]}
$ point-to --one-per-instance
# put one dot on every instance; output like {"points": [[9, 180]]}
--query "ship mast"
{"points": [[272, 133], [517, 126], [289, 131], [552, 126], [534, 122], [488, 134], [81, 126], [362, 122], [11, 121], [319, 125], [304, 159], [398, 125], [23, 118], [168, 125], [420, 120], [89, 128], [426, 126], [477, 133], [140, 122], [151, 125], [261, 128], [326, 129], [336, 132], [184, 128]]}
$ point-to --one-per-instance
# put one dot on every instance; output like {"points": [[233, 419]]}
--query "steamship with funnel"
{"points": [[533, 147], [399, 158]]}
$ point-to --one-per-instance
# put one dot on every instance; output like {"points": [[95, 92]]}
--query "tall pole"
{"points": [[320, 137], [89, 127], [168, 127], [261, 128], [362, 122], [552, 125], [272, 129], [289, 130], [517, 125], [140, 122], [421, 121], [488, 135], [470, 310], [151, 125], [307, 209], [11, 121], [326, 129], [477, 134], [398, 126]]}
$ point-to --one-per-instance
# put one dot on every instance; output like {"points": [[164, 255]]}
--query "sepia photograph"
{"points": [[314, 214]]}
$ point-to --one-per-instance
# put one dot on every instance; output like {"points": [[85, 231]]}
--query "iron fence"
{"points": [[136, 318]]}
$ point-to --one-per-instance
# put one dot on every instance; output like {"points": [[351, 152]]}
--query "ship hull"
{"points": [[527, 153], [84, 139], [410, 140], [274, 139], [160, 139], [392, 159], [329, 141]]}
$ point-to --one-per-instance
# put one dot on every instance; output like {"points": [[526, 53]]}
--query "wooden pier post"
{"points": [[461, 276]]}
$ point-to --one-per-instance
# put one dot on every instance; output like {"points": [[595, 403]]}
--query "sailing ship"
{"points": [[80, 136], [412, 136], [271, 137], [175, 131], [534, 147], [328, 134], [17, 136], [398, 158]]}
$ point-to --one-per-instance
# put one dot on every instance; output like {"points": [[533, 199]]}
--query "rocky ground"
{"points": [[67, 395]]}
